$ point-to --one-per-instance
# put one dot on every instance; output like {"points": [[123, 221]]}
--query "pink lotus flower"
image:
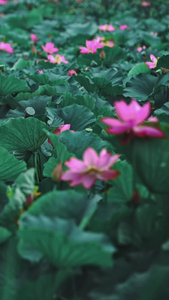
{"points": [[145, 3], [2, 2], [107, 27], [6, 47], [139, 49], [59, 130], [71, 72], [49, 48], [58, 59], [91, 168], [130, 122], [153, 63], [40, 71], [34, 38], [123, 27], [91, 47]]}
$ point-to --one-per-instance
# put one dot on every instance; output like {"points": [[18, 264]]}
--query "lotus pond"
{"points": [[84, 150]]}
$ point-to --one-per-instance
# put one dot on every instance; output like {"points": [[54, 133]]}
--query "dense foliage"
{"points": [[84, 150]]}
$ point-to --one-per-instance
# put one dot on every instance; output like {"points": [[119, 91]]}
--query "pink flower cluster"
{"points": [[131, 122], [50, 49]]}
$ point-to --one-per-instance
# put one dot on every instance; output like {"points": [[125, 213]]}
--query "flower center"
{"points": [[57, 59], [92, 170]]}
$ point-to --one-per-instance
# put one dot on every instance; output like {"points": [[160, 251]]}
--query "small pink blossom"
{"points": [[91, 47], [139, 49], [49, 48], [58, 59], [153, 62], [123, 27], [107, 27], [91, 168], [130, 122], [2, 2], [145, 4], [71, 72], [34, 38], [6, 47], [59, 130]]}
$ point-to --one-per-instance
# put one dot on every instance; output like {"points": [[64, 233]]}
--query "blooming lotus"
{"points": [[58, 59], [50, 48], [6, 47], [130, 122], [71, 72], [91, 47], [34, 38], [152, 64], [59, 130], [91, 168], [107, 27]]}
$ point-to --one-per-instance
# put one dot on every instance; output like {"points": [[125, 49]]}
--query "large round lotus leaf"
{"points": [[22, 135], [10, 167]]}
